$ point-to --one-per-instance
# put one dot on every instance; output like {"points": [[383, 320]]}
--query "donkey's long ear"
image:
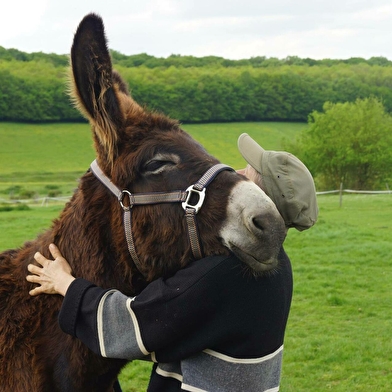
{"points": [[95, 88]]}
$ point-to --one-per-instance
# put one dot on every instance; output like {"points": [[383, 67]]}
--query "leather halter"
{"points": [[198, 189]]}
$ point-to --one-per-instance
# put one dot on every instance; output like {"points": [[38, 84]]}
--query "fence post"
{"points": [[341, 194]]}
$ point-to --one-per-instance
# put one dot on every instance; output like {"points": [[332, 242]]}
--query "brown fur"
{"points": [[35, 355]]}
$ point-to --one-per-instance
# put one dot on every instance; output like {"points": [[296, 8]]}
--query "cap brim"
{"points": [[251, 151]]}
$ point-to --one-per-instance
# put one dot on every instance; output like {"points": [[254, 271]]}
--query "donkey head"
{"points": [[143, 151]]}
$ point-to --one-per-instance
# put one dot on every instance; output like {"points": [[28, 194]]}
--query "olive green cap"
{"points": [[286, 180]]}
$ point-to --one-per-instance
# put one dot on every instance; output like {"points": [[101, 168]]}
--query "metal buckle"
{"points": [[201, 194], [121, 198]]}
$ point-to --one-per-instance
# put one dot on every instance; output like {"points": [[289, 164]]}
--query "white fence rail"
{"points": [[40, 200], [354, 191]]}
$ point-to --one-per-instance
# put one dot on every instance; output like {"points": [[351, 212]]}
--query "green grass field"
{"points": [[338, 335], [39, 159]]}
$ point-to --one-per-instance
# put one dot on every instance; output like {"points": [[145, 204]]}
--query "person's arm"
{"points": [[204, 305], [165, 313]]}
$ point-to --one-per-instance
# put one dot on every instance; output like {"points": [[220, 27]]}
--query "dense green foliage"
{"points": [[348, 143], [208, 89]]}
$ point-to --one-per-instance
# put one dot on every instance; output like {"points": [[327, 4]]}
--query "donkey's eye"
{"points": [[157, 166], [161, 162]]}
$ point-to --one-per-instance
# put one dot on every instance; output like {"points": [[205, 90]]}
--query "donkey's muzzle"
{"points": [[254, 230]]}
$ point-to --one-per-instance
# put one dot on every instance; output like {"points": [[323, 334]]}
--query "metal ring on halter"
{"points": [[121, 198], [190, 191]]}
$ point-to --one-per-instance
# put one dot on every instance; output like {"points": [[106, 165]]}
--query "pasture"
{"points": [[40, 158], [338, 335]]}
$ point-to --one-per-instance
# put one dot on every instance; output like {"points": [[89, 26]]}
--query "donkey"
{"points": [[139, 152]]}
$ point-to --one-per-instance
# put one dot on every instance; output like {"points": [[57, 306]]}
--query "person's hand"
{"points": [[54, 277]]}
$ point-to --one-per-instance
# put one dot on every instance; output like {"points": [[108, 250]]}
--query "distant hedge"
{"points": [[208, 89]]}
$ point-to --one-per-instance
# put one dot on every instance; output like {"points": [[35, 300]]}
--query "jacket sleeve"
{"points": [[116, 326], [208, 304]]}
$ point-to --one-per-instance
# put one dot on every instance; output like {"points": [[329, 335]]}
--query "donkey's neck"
{"points": [[86, 234]]}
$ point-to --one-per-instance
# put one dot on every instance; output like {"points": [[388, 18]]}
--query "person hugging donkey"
{"points": [[210, 326]]}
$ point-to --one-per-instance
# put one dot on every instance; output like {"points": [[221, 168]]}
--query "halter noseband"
{"points": [[198, 189]]}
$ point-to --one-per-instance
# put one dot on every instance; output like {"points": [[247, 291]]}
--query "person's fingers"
{"points": [[33, 278], [39, 258], [35, 291], [34, 269], [54, 250]]}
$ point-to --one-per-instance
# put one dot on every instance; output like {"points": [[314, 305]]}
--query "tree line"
{"points": [[207, 89]]}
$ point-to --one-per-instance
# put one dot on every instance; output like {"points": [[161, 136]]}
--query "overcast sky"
{"points": [[232, 29]]}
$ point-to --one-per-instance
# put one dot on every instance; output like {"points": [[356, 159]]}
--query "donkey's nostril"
{"points": [[259, 222], [267, 223]]}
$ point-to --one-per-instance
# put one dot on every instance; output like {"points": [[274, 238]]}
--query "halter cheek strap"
{"points": [[196, 191], [191, 210]]}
